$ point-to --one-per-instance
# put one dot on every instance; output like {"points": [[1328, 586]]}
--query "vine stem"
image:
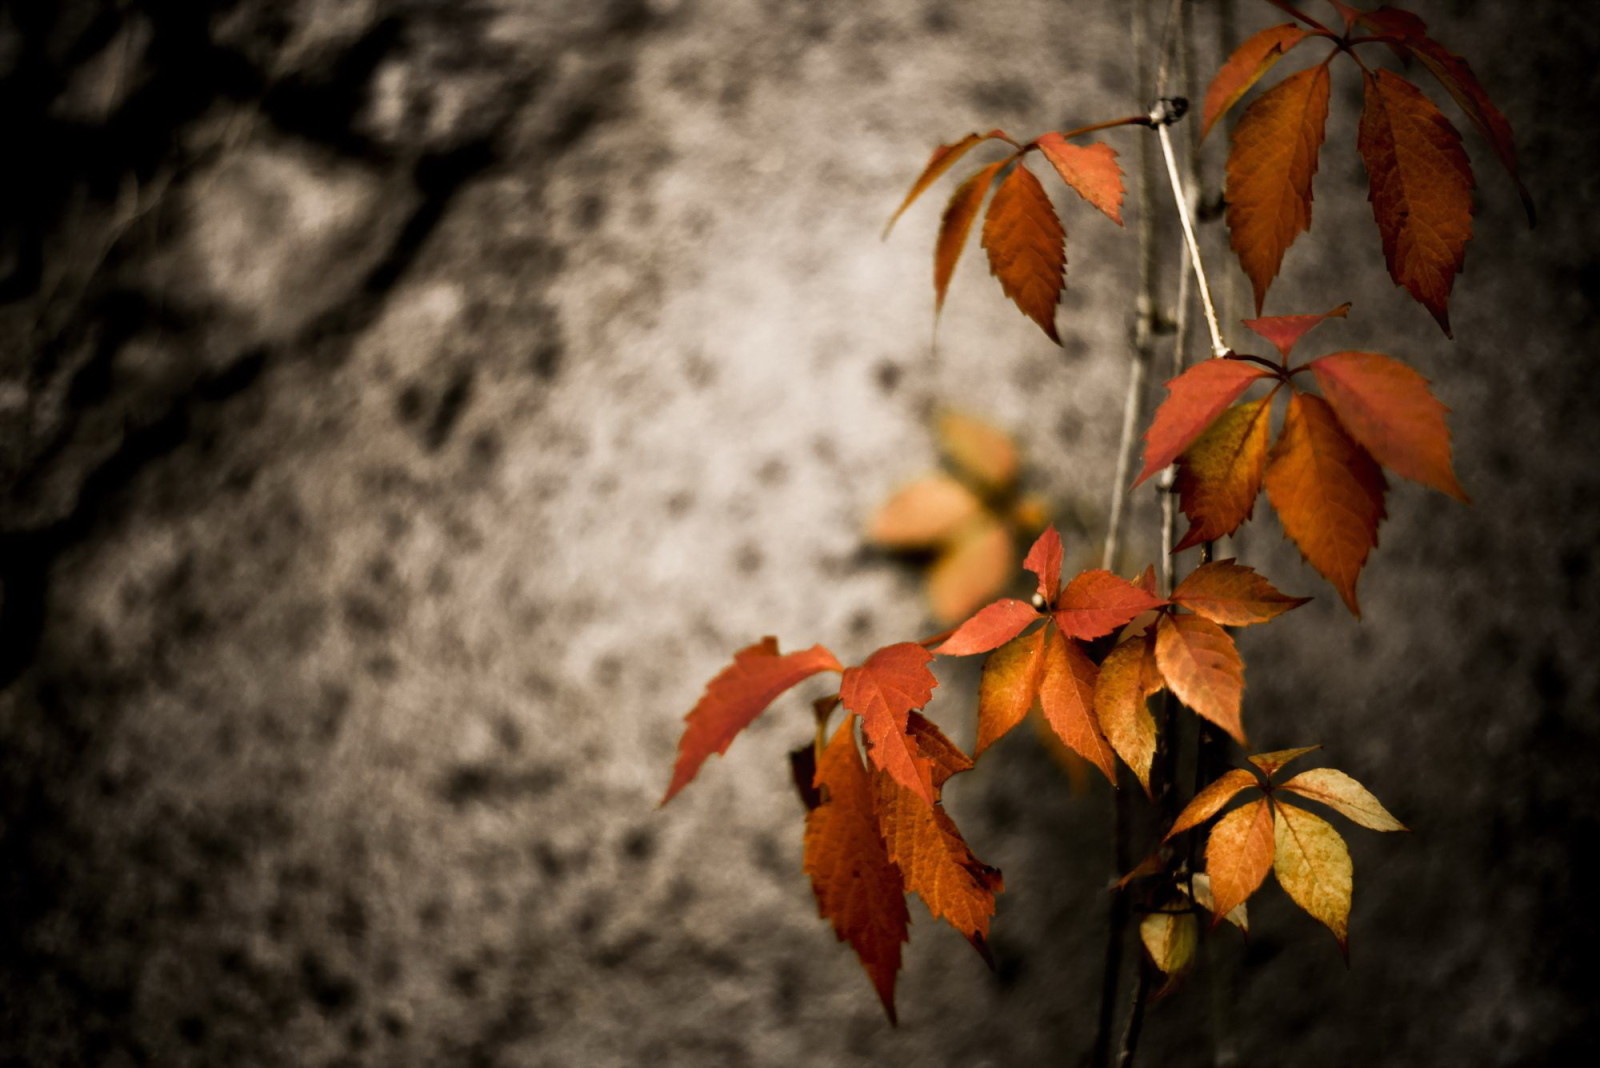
{"points": [[1218, 346]]}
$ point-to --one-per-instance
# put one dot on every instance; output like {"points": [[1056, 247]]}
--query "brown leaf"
{"points": [[993, 626], [857, 887], [1010, 686], [955, 224], [1219, 476], [1252, 59], [977, 450], [1238, 856], [1091, 171], [883, 691], [1328, 492], [1284, 331], [1202, 667], [1313, 867], [924, 513], [944, 157], [1066, 697], [1345, 796], [1195, 399], [1209, 801], [1388, 408], [1027, 247], [1270, 167], [1232, 594], [1269, 763], [1127, 677], [740, 693], [1097, 602], [974, 566], [1420, 185]]}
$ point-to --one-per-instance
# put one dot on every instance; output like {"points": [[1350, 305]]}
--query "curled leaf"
{"points": [[883, 691]]}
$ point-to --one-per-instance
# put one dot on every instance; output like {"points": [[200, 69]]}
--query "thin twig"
{"points": [[1130, 1037], [1218, 346]]}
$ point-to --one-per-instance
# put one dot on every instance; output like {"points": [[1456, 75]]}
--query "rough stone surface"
{"points": [[405, 407]]}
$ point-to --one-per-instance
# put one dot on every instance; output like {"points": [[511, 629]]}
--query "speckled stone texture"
{"points": [[406, 406]]}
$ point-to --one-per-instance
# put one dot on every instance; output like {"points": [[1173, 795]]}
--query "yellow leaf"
{"points": [[979, 451], [1345, 796], [1170, 940], [1313, 867]]}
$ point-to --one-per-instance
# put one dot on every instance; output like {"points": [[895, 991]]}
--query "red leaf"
{"points": [[883, 691], [1202, 667], [1270, 168], [1420, 185], [857, 887], [1285, 330], [1066, 697], [1219, 475], [1196, 398], [1245, 67], [955, 224], [1098, 602], [1044, 560], [992, 627], [1328, 492], [1091, 170], [1233, 595], [1388, 408], [1010, 686], [1027, 247], [740, 693], [944, 157]]}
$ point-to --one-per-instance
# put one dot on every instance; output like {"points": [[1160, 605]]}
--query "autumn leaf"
{"points": [[1252, 59], [1328, 493], [974, 564], [980, 452], [1202, 667], [1195, 399], [1027, 247], [858, 889], [1388, 408], [1313, 866], [1238, 856], [924, 513], [1219, 475], [1232, 594], [1420, 186], [1009, 687], [1270, 167], [1345, 796], [993, 626], [1097, 602], [740, 693], [1066, 697], [1127, 677], [1091, 171], [1170, 939], [955, 224], [1044, 560], [883, 691], [944, 157], [1269, 763], [1209, 801], [1239, 916], [1284, 331]]}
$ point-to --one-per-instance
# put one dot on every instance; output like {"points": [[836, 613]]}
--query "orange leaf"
{"points": [[1209, 802], [1066, 697], [924, 843], [883, 691], [978, 451], [1202, 667], [1219, 476], [1126, 678], [1195, 399], [992, 627], [1238, 856], [1009, 687], [1328, 492], [1388, 408], [1091, 171], [924, 513], [944, 757], [1269, 763], [1027, 247], [740, 693], [1285, 330], [974, 567], [1098, 602], [1253, 58], [955, 224], [1232, 594], [857, 887], [1044, 560], [944, 157], [1420, 185], [1270, 168]]}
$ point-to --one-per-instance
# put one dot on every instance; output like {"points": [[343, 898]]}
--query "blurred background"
{"points": [[406, 407]]}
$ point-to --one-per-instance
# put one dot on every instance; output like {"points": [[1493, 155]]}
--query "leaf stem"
{"points": [[1290, 9], [1218, 346], [1127, 120]]}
